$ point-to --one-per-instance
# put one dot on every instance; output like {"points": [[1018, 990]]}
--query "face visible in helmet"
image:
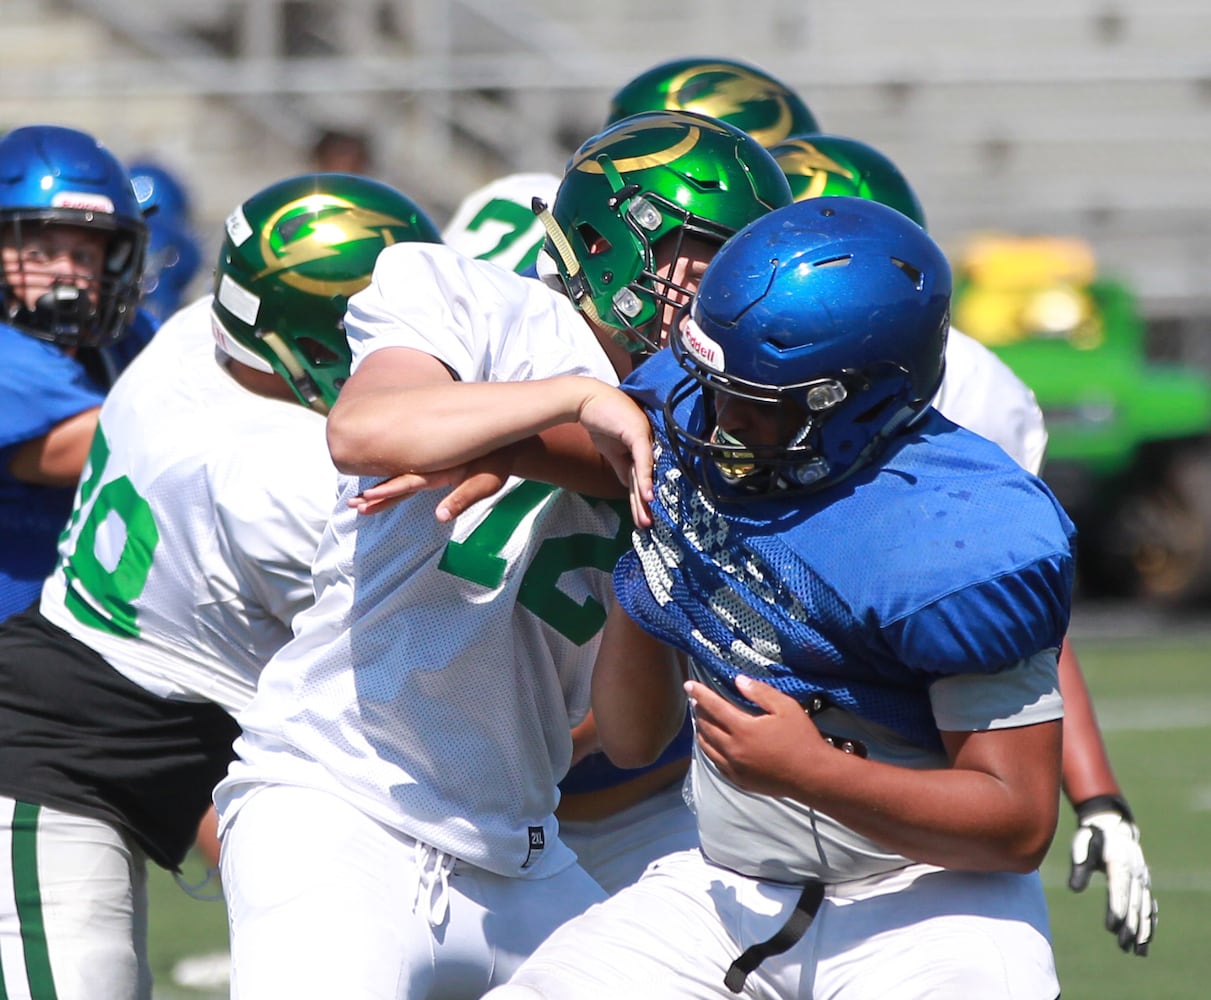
{"points": [[681, 259], [49, 266], [817, 335], [748, 432], [73, 237], [643, 205]]}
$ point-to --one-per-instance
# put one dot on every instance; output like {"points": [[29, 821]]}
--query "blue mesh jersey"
{"points": [[41, 387], [947, 558]]}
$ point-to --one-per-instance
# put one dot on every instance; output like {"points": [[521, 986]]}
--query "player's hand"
{"points": [[751, 750], [1107, 840], [471, 482], [621, 432]]}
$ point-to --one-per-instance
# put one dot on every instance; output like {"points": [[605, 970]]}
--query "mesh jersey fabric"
{"points": [[189, 550], [435, 681], [946, 558]]}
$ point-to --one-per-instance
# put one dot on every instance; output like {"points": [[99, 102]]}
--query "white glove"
{"points": [[1107, 840]]}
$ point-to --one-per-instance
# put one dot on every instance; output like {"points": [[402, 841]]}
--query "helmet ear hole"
{"points": [[596, 243], [873, 413], [316, 352]]}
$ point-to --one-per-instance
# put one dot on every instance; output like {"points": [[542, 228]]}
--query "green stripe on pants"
{"points": [[29, 901]]}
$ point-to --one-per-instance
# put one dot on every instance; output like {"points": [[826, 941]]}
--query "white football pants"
{"points": [[917, 934], [73, 908], [324, 902], [617, 849]]}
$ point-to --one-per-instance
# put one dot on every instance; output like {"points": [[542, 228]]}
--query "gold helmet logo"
{"points": [[317, 227], [586, 160], [721, 90], [799, 158]]}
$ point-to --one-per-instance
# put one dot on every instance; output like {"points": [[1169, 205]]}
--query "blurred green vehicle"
{"points": [[1129, 453]]}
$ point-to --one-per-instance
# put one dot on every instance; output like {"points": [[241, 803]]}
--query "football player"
{"points": [[72, 241], [619, 820], [496, 222], [979, 392], [871, 600], [185, 560], [422, 714], [982, 394]]}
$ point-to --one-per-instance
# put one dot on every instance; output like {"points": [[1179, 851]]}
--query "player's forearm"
{"points": [[565, 455], [58, 457], [1087, 769], [638, 699], [960, 817], [425, 428], [970, 823]]}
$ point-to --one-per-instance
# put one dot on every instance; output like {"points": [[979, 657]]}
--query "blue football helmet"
{"points": [[162, 195], [54, 176], [834, 309], [174, 252]]}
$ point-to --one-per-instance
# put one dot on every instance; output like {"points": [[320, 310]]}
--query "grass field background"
{"points": [[1153, 696]]}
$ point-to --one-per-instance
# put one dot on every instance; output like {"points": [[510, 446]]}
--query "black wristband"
{"points": [[1104, 803]]}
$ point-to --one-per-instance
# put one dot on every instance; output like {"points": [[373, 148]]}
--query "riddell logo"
{"points": [[83, 201], [702, 347]]}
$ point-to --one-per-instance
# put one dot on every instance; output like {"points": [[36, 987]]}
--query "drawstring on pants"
{"points": [[433, 868]]}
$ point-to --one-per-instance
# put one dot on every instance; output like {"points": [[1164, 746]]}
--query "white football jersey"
{"points": [[435, 681], [980, 392], [189, 549], [497, 221]]}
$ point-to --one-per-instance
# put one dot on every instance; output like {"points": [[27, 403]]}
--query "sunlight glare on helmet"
{"points": [[328, 233]]}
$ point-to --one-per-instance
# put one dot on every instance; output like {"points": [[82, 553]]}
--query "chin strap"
{"points": [[303, 383], [576, 284]]}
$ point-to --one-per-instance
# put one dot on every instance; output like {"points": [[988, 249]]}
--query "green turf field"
{"points": [[1154, 700]]}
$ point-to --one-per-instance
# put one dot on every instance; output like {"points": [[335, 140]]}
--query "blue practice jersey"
{"points": [[41, 387], [947, 558]]}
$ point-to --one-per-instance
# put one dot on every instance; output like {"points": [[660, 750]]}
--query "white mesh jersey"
{"points": [[435, 681], [980, 392], [496, 222], [189, 549]]}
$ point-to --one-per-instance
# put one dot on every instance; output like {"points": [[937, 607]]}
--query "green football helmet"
{"points": [[293, 254], [819, 165], [735, 92], [651, 177]]}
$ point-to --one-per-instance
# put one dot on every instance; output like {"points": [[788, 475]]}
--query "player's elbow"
{"points": [[637, 745], [1024, 845], [353, 442], [1032, 847], [629, 755]]}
